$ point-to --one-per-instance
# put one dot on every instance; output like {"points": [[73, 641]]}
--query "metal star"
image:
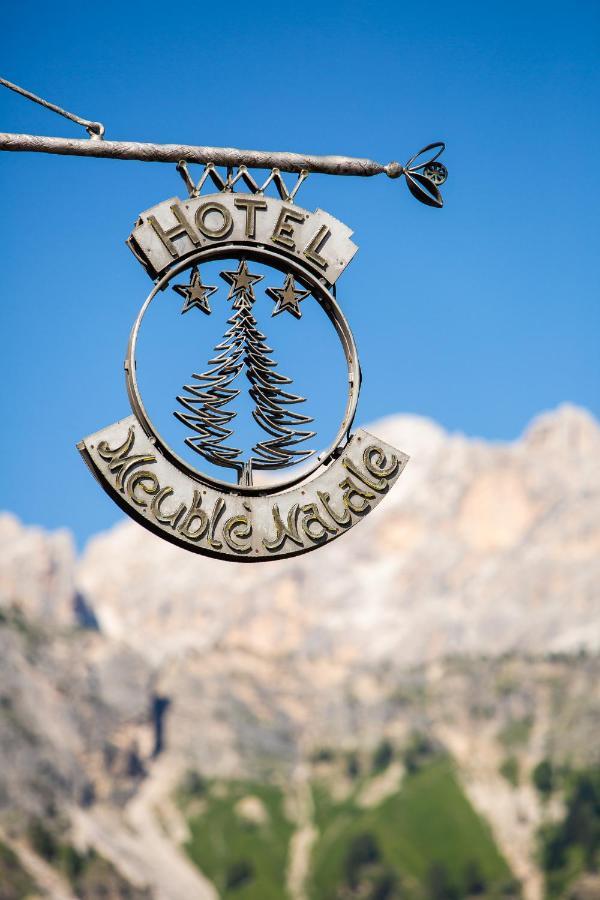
{"points": [[241, 281], [195, 293], [287, 297]]}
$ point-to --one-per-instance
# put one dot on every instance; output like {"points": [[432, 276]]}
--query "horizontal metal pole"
{"points": [[219, 156]]}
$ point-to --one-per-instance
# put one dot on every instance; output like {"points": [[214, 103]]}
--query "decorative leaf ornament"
{"points": [[424, 177]]}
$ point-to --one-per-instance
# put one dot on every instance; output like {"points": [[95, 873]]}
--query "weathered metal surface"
{"points": [[423, 187], [304, 254], [175, 228], [218, 156], [196, 516]]}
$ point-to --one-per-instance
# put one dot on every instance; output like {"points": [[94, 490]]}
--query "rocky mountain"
{"points": [[464, 612], [474, 551]]}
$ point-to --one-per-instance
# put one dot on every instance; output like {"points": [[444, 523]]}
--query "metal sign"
{"points": [[304, 254], [309, 498]]}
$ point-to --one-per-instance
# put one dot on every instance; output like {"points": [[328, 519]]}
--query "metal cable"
{"points": [[94, 129]]}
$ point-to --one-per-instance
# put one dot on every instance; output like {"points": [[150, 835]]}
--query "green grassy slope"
{"points": [[245, 859], [425, 831], [424, 841], [570, 846]]}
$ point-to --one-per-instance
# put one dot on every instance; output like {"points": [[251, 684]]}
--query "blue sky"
{"points": [[479, 316]]}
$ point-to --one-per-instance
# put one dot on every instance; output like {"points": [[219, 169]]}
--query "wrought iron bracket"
{"points": [[418, 177], [423, 178]]}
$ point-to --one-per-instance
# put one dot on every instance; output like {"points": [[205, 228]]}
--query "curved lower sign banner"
{"points": [[236, 526]]}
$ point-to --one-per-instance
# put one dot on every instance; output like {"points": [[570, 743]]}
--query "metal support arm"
{"points": [[218, 156], [423, 177]]}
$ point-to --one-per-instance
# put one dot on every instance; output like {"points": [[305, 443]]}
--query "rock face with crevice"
{"points": [[125, 668]]}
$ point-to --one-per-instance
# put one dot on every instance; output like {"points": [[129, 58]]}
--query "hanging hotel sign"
{"points": [[249, 518]]}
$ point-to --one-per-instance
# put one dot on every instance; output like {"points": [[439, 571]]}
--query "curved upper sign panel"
{"points": [[175, 228]]}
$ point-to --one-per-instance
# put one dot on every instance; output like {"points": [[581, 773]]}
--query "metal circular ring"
{"points": [[326, 300], [436, 172]]}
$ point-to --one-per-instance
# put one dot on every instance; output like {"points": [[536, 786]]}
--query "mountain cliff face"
{"points": [[479, 549], [465, 608]]}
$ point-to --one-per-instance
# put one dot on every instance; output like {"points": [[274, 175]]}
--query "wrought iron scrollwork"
{"points": [[229, 182]]}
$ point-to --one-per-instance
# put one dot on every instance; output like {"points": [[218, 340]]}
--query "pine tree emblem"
{"points": [[206, 402]]}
